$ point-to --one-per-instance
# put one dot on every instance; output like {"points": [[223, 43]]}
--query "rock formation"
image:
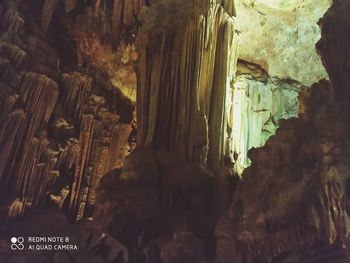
{"points": [[197, 85], [259, 102], [185, 73], [62, 129], [276, 42], [300, 202], [280, 34], [185, 77]]}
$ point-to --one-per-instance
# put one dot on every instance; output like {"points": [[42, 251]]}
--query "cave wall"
{"points": [[107, 18], [277, 40], [163, 197], [63, 127], [258, 106], [292, 203]]}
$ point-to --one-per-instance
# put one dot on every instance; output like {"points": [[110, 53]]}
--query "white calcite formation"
{"points": [[277, 38], [257, 108], [280, 36]]}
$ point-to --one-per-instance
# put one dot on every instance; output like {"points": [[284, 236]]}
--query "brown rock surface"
{"points": [[61, 129]]}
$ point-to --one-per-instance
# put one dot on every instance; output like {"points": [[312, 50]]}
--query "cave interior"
{"points": [[175, 131]]}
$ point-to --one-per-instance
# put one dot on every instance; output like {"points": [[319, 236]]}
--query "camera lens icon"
{"points": [[17, 243]]}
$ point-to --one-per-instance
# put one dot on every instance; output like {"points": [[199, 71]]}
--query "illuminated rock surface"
{"points": [[277, 59], [257, 108], [292, 203], [187, 64], [280, 36]]}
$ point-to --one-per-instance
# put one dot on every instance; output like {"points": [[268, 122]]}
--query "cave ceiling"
{"points": [[280, 36]]}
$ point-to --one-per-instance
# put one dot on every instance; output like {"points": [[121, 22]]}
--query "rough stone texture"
{"points": [[47, 14], [154, 195], [277, 35], [290, 206], [187, 62], [184, 247], [165, 186], [113, 21], [259, 102], [333, 48], [70, 5], [302, 196], [115, 69], [292, 203], [61, 131], [105, 34], [277, 40]]}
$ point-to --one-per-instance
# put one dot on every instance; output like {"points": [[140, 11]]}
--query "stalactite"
{"points": [[108, 142], [229, 5], [16, 209], [12, 133], [8, 74], [131, 10], [67, 156], [86, 134], [295, 194], [41, 170], [48, 11], [41, 97], [76, 89], [15, 54], [220, 107], [14, 23], [8, 99], [42, 53], [180, 92], [117, 22], [39, 101], [98, 7], [69, 5], [51, 119]]}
